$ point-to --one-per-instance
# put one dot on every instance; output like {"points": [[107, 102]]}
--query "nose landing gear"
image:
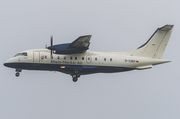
{"points": [[17, 72]]}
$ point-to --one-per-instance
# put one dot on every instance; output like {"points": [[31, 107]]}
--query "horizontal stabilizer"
{"points": [[144, 67]]}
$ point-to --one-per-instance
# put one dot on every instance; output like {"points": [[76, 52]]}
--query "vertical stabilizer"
{"points": [[156, 45]]}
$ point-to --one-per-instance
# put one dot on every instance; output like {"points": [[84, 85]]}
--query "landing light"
{"points": [[62, 67]]}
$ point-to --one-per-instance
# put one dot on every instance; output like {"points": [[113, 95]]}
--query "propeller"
{"points": [[51, 47]]}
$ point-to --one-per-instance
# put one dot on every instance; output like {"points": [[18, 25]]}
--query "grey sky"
{"points": [[115, 25]]}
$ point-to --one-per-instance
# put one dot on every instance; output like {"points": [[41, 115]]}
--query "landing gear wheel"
{"points": [[75, 75], [75, 79], [17, 74]]}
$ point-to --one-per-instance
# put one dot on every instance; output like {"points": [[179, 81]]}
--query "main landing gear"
{"points": [[75, 76], [17, 72]]}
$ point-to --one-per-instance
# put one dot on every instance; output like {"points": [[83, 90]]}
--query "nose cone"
{"points": [[5, 64], [8, 63]]}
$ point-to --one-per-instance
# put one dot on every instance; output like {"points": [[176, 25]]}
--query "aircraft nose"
{"points": [[6, 64]]}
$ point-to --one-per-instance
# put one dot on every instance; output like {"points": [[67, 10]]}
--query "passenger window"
{"points": [[64, 57], [96, 58], [88, 58], [58, 57], [45, 57], [110, 59], [75, 58], [71, 58], [104, 59], [82, 58]]}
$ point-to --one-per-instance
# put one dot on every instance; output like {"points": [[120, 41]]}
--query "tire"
{"points": [[75, 79], [17, 74]]}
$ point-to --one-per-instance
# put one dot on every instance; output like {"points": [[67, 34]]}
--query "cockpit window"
{"points": [[21, 54], [24, 54], [17, 54]]}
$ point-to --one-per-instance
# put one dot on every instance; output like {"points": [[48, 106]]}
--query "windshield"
{"points": [[21, 54]]}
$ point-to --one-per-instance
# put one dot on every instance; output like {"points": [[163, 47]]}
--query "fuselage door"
{"points": [[88, 59], [36, 58]]}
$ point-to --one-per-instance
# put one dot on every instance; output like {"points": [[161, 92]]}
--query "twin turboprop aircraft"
{"points": [[75, 59]]}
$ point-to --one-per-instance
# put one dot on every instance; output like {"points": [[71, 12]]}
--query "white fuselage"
{"points": [[39, 57]]}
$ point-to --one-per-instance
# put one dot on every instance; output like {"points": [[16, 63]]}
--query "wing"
{"points": [[81, 43]]}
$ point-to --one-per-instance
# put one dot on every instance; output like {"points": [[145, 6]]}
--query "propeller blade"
{"points": [[51, 41], [51, 45]]}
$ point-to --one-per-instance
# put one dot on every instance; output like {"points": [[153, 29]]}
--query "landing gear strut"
{"points": [[75, 76]]}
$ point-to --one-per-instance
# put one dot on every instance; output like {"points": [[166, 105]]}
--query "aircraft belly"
{"points": [[103, 69], [69, 69]]}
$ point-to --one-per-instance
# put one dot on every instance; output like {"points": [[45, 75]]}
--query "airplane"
{"points": [[75, 59]]}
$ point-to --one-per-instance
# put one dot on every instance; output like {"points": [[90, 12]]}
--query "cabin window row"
{"points": [[71, 58], [58, 57], [104, 59]]}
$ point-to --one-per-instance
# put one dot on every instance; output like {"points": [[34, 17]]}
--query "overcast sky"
{"points": [[115, 25]]}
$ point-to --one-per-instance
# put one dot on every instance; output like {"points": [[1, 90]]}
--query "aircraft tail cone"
{"points": [[160, 61]]}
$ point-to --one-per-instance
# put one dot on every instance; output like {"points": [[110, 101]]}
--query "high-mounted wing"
{"points": [[81, 43]]}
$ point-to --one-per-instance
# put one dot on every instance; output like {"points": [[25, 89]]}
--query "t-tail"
{"points": [[156, 45], [153, 50]]}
